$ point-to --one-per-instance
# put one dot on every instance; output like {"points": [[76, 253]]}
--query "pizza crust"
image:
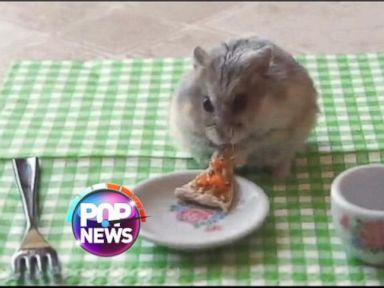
{"points": [[211, 195], [188, 193]]}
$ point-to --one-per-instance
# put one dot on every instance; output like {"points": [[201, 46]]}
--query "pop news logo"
{"points": [[106, 219]]}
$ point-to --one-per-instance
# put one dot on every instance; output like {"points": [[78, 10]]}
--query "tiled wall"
{"points": [[86, 30]]}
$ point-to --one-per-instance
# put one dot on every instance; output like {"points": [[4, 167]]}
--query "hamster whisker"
{"points": [[211, 126], [231, 132]]}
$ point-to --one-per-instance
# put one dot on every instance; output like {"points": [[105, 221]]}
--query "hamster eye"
{"points": [[240, 102], [207, 104]]}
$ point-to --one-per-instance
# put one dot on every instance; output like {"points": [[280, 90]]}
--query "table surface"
{"points": [[106, 121]]}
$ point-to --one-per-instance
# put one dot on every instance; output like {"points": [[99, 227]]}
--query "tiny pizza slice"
{"points": [[214, 186]]}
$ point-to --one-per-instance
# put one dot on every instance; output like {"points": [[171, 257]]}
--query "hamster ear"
{"points": [[200, 57], [258, 61]]}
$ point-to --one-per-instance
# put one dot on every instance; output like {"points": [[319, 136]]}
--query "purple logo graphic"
{"points": [[106, 222]]}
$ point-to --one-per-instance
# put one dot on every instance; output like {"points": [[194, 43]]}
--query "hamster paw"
{"points": [[240, 160], [282, 170]]}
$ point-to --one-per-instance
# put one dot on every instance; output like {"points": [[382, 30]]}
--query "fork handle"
{"points": [[26, 173]]}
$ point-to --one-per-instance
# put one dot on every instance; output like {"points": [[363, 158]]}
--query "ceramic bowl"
{"points": [[357, 206]]}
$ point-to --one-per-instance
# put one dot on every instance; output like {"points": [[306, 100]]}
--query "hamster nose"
{"points": [[233, 125], [238, 125], [225, 132]]}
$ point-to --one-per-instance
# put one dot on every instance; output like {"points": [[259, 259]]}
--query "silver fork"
{"points": [[35, 253]]}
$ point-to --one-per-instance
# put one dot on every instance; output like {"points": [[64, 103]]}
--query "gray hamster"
{"points": [[250, 93]]}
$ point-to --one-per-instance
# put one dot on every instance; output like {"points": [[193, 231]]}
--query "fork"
{"points": [[35, 251]]}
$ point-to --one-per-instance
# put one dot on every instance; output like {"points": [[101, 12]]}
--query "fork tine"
{"points": [[17, 263], [54, 261], [27, 263], [39, 263]]}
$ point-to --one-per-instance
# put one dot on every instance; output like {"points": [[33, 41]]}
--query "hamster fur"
{"points": [[248, 92]]}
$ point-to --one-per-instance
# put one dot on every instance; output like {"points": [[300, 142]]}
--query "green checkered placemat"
{"points": [[297, 244], [106, 121], [102, 108]]}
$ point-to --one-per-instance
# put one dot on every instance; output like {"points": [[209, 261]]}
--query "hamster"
{"points": [[250, 93]]}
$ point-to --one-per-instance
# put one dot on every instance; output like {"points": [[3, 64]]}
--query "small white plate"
{"points": [[185, 226]]}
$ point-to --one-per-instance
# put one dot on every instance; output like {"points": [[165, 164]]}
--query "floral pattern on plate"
{"points": [[199, 217]]}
